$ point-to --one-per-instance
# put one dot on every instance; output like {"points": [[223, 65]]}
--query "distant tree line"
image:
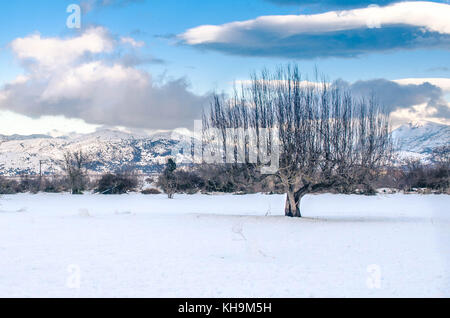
{"points": [[75, 179], [409, 176]]}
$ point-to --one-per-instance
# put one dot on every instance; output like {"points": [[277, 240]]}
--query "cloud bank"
{"points": [[81, 77], [407, 99], [349, 33]]}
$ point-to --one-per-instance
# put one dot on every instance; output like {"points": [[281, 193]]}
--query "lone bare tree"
{"points": [[327, 138], [74, 166]]}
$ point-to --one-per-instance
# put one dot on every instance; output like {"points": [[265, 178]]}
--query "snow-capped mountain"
{"points": [[108, 150], [111, 150], [418, 139]]}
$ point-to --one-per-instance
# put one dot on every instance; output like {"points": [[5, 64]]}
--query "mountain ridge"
{"points": [[112, 150]]}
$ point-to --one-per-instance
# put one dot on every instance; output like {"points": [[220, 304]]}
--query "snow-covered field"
{"points": [[224, 246]]}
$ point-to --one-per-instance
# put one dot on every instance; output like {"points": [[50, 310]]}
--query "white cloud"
{"points": [[437, 112], [82, 81], [53, 53], [51, 125], [60, 80], [428, 15], [20, 79], [417, 113], [132, 42], [348, 33]]}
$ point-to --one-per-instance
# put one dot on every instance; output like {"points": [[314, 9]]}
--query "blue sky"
{"points": [[170, 47]]}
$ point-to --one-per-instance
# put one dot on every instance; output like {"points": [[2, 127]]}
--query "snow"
{"points": [[421, 137], [111, 149], [58, 245], [108, 149]]}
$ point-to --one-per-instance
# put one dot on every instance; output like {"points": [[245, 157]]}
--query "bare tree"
{"points": [[74, 166], [167, 180], [327, 138]]}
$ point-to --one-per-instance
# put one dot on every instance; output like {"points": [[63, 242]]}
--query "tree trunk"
{"points": [[292, 207]]}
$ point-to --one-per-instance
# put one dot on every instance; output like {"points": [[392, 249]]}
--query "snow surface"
{"points": [[224, 246]]}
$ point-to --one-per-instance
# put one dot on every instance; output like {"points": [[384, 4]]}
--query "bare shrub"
{"points": [[418, 175], [30, 184], [118, 183], [8, 186], [188, 182], [55, 185], [151, 191]]}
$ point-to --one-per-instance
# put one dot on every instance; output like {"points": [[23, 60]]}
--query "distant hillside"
{"points": [[111, 150], [418, 139]]}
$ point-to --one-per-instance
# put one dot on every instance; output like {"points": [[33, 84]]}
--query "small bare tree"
{"points": [[327, 138], [167, 179], [74, 164]]}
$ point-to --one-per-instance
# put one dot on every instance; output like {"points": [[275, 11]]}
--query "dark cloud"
{"points": [[442, 111], [131, 60], [347, 44], [106, 102], [349, 33], [395, 96]]}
